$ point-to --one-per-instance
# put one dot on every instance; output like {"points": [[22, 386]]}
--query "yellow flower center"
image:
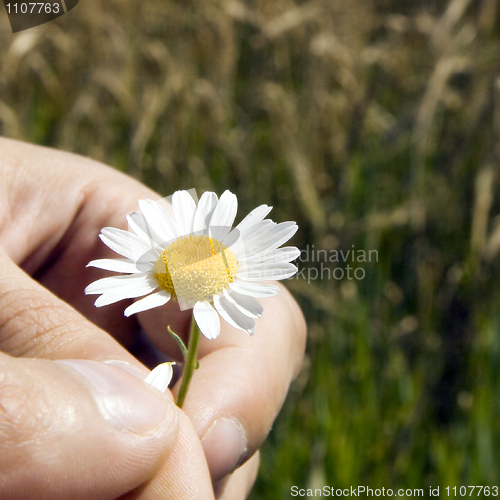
{"points": [[195, 268]]}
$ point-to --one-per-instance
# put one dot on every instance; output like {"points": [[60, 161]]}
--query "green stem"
{"points": [[190, 364]]}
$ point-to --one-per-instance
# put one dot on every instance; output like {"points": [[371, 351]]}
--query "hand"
{"points": [[56, 204]]}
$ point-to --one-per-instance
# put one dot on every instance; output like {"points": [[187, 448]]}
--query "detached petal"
{"points": [[160, 377]]}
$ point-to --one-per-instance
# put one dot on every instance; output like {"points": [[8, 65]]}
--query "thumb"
{"points": [[79, 429]]}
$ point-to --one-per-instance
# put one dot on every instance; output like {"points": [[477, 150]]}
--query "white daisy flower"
{"points": [[198, 260]]}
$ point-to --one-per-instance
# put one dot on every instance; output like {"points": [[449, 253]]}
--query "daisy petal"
{"points": [[127, 244], [255, 216], [111, 283], [115, 265], [160, 377], [204, 211], [223, 216], [272, 238], [254, 289], [137, 223], [184, 209], [243, 245], [150, 302], [207, 319], [285, 254], [159, 220], [233, 316], [264, 272], [247, 305], [118, 288]]}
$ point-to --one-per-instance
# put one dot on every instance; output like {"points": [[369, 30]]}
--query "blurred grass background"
{"points": [[373, 123]]}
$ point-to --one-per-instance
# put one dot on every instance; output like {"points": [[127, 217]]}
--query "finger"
{"points": [[35, 323], [56, 205], [237, 486], [233, 408], [184, 476], [79, 429]]}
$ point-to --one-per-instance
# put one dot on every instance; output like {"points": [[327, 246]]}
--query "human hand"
{"points": [[56, 205]]}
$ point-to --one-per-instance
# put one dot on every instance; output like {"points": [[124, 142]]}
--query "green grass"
{"points": [[373, 124]]}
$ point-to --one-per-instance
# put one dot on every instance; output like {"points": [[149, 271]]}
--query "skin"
{"points": [[54, 441]]}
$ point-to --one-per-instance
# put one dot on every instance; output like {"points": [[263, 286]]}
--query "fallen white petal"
{"points": [[160, 377]]}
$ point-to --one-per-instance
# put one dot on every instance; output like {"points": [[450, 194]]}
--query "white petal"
{"points": [[233, 316], [285, 254], [116, 265], [223, 216], [264, 272], [204, 211], [184, 209], [150, 302], [127, 244], [272, 238], [248, 243], [118, 288], [137, 223], [160, 377], [247, 305], [159, 220], [111, 283], [256, 215], [254, 289], [207, 319]]}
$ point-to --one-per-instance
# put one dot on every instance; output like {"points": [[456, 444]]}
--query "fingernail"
{"points": [[128, 367], [123, 400], [224, 444]]}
